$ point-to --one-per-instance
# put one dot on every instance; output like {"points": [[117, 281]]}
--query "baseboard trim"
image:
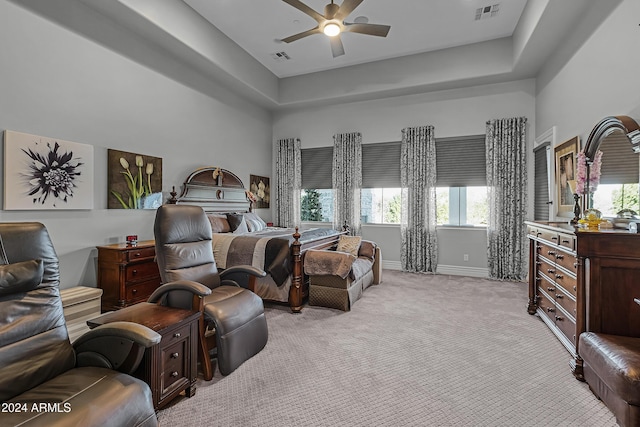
{"points": [[391, 265], [459, 270]]}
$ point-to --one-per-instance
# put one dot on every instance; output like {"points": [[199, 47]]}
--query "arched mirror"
{"points": [[618, 137]]}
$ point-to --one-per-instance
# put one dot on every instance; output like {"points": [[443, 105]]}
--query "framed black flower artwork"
{"points": [[42, 173]]}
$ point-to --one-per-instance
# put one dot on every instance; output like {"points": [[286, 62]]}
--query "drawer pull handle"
{"points": [[550, 270], [538, 263], [538, 279], [559, 296], [137, 254], [575, 265], [575, 289], [551, 289], [134, 272], [174, 374], [559, 276], [559, 256], [174, 355], [551, 309], [134, 291], [551, 252], [176, 335], [565, 241], [559, 318], [554, 238]]}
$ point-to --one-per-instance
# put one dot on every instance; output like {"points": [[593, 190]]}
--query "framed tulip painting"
{"points": [[43, 173], [135, 180]]}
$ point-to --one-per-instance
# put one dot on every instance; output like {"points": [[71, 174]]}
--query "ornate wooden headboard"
{"points": [[215, 190]]}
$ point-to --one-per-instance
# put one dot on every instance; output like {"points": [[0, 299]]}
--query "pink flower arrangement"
{"points": [[252, 197], [594, 173]]}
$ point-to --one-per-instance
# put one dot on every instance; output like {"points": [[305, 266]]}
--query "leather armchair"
{"points": [[233, 318], [44, 380]]}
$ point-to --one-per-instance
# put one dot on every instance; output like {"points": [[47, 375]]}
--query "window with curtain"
{"points": [[461, 181], [381, 193], [316, 198], [618, 187]]}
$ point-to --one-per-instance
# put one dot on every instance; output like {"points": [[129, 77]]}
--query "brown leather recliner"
{"points": [[611, 365], [44, 380], [232, 316]]}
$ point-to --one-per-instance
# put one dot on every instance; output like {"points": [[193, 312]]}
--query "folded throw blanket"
{"points": [[318, 263]]}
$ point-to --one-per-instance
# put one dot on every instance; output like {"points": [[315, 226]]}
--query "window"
{"points": [[316, 205], [461, 179], [381, 205], [316, 199], [466, 206]]}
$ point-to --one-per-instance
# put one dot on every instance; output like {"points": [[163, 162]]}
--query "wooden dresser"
{"points": [[127, 274], [583, 280]]}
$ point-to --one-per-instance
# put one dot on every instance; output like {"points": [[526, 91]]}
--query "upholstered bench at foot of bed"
{"points": [[335, 289]]}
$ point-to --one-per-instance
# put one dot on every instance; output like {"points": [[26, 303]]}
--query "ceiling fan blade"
{"points": [[336, 46], [298, 36], [369, 29], [346, 8], [306, 9]]}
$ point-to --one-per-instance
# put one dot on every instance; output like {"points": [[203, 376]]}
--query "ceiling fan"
{"points": [[332, 23]]}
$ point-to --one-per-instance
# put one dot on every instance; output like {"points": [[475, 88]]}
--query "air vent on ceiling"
{"points": [[487, 11], [280, 56]]}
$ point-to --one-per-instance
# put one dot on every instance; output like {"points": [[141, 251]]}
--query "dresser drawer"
{"points": [[567, 241], [549, 236], [565, 301], [567, 281], [546, 267], [141, 253], [141, 271], [175, 336], [140, 291], [546, 305], [567, 326], [174, 366], [547, 252], [568, 261]]}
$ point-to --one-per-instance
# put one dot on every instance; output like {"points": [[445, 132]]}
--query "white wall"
{"points": [[58, 84], [578, 87], [455, 112]]}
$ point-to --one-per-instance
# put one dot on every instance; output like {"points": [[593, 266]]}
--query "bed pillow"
{"points": [[20, 276], [349, 244], [254, 222], [237, 223], [219, 223]]}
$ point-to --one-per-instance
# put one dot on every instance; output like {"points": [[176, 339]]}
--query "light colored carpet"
{"points": [[416, 350]]}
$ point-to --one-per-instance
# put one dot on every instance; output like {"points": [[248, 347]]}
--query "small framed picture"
{"points": [[566, 159]]}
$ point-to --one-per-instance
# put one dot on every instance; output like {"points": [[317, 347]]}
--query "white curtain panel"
{"points": [[419, 249], [506, 145], [288, 182], [347, 180]]}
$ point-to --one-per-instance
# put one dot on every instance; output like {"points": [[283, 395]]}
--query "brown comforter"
{"points": [[268, 249]]}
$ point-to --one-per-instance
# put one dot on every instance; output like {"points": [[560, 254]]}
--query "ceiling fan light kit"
{"points": [[332, 24]]}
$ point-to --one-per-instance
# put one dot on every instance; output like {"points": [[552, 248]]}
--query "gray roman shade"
{"points": [[619, 162], [461, 161], [316, 167], [541, 182], [381, 165]]}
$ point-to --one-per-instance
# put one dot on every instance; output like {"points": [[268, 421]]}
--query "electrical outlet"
{"points": [[465, 257]]}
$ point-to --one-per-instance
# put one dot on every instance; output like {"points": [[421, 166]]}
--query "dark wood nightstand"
{"points": [[171, 366], [127, 274]]}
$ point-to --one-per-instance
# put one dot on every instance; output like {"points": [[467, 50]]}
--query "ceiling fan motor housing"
{"points": [[330, 10]]}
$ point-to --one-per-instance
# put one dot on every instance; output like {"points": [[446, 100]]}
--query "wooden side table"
{"points": [[127, 274], [170, 366]]}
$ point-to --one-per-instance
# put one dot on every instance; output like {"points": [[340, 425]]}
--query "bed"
{"points": [[278, 251]]}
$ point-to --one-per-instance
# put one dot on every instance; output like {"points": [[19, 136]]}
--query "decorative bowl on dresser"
{"points": [[583, 280], [127, 274]]}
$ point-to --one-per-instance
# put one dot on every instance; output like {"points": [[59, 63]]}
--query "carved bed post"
{"points": [[295, 292]]}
